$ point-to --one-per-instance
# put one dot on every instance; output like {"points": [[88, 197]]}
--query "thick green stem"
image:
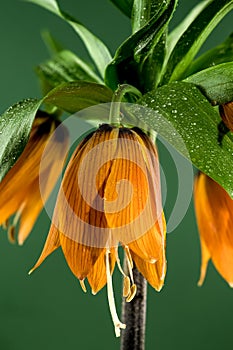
{"points": [[134, 316], [115, 115]]}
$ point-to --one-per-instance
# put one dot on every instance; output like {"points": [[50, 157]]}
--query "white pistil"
{"points": [[111, 301]]}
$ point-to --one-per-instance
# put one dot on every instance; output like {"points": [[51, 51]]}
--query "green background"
{"points": [[48, 310]]}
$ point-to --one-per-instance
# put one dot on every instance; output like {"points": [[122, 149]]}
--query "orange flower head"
{"points": [[214, 212], [110, 194], [226, 112], [20, 188]]}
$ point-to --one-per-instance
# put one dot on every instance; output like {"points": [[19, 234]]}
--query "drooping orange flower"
{"points": [[20, 188], [110, 194], [226, 112], [214, 212]]}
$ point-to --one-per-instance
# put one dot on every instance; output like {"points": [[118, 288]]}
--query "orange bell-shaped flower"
{"points": [[214, 212], [110, 194], [226, 112], [20, 188]]}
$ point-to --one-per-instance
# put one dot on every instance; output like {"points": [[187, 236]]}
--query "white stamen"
{"points": [[18, 214], [119, 264], [111, 301], [129, 255]]}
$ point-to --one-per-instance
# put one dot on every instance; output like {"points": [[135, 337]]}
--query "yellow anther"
{"points": [[5, 224], [133, 291], [11, 233], [126, 286]]}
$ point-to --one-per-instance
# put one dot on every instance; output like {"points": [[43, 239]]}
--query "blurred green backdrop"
{"points": [[48, 310]]}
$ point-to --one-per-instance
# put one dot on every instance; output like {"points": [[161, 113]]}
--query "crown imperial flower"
{"points": [[110, 194], [20, 188], [214, 209], [226, 112]]}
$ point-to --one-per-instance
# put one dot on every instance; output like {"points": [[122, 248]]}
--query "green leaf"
{"points": [[152, 67], [192, 39], [53, 46], [96, 48], [219, 54], [127, 65], [15, 127], [65, 67], [16, 122], [124, 5], [144, 10], [74, 96], [180, 113], [176, 33], [216, 83]]}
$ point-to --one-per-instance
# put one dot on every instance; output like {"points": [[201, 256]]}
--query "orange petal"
{"points": [[14, 189], [52, 160], [80, 203], [30, 213], [150, 246], [205, 257], [132, 197], [153, 272], [97, 278], [226, 112], [147, 247], [79, 257], [52, 243], [126, 187], [214, 209]]}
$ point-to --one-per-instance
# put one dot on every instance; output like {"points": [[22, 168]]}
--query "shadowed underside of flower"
{"points": [[20, 188], [214, 211], [110, 195]]}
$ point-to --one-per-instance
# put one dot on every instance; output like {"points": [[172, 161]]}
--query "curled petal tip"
{"points": [[20, 242], [230, 284], [160, 287], [200, 282], [31, 271], [82, 284]]}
